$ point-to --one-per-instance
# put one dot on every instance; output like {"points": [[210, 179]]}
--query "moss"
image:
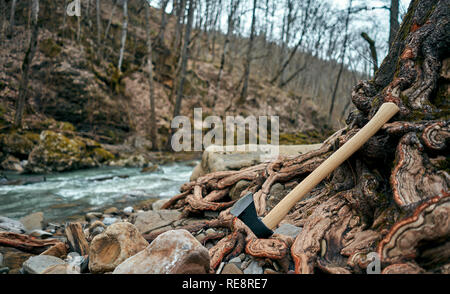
{"points": [[101, 155], [309, 137], [50, 48]]}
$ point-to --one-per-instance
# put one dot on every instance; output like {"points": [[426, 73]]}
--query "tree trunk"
{"points": [[373, 50], [23, 87], [389, 200], [153, 128], [99, 22], [124, 34], [233, 7], [184, 58], [162, 28], [393, 21], [341, 68], [248, 58], [11, 18]]}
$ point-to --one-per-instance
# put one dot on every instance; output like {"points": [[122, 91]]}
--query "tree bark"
{"points": [[162, 28], [153, 128], [29, 55], [124, 34], [99, 22]]}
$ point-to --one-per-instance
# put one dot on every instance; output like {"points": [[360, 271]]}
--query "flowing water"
{"points": [[67, 194]]}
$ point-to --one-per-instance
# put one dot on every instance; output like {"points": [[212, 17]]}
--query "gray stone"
{"points": [[231, 269], [235, 192], [288, 229], [173, 252], [254, 268], [39, 263], [33, 221], [110, 220], [159, 203], [128, 210], [237, 259], [62, 269], [11, 225], [40, 233], [149, 221]]}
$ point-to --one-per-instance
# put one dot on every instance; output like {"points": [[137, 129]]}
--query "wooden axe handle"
{"points": [[385, 113]]}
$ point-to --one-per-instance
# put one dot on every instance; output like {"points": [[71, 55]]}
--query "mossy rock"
{"points": [[16, 144], [101, 155]]}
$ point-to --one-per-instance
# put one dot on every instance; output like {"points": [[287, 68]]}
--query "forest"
{"points": [[354, 96]]}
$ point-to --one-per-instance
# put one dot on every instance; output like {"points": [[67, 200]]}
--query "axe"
{"points": [[245, 210]]}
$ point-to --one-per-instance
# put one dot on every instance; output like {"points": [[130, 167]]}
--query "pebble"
{"points": [[253, 268], [128, 210], [112, 210], [40, 233], [231, 269], [288, 229], [92, 216], [109, 220]]}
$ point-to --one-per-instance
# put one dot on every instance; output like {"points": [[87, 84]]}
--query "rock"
{"points": [[112, 247], [1, 260], [231, 269], [221, 158], [95, 229], [173, 252], [110, 220], [4, 270], [159, 203], [18, 145], [150, 221], [276, 193], [197, 172], [235, 192], [62, 269], [40, 234], [288, 229], [236, 260], [150, 169], [33, 221], [112, 210], [269, 271], [13, 258], [39, 263], [56, 152], [253, 268], [11, 225], [128, 210], [58, 250], [12, 164], [93, 216]]}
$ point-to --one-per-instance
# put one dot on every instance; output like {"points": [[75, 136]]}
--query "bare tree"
{"points": [[393, 21], [248, 58], [184, 58], [373, 50], [23, 87], [162, 28], [124, 34], [11, 18], [234, 4], [99, 22], [153, 133], [341, 68]]}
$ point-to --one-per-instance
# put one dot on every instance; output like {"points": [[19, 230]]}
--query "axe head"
{"points": [[244, 209]]}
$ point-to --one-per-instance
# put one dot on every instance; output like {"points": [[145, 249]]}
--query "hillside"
{"points": [[76, 88]]}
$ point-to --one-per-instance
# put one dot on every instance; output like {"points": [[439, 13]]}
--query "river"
{"points": [[69, 194]]}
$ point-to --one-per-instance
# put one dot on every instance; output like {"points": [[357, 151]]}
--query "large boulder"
{"points": [[16, 144], [57, 152], [118, 242], [173, 252], [159, 220], [221, 158]]}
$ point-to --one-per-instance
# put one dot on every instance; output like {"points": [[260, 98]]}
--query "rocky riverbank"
{"points": [[144, 238]]}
